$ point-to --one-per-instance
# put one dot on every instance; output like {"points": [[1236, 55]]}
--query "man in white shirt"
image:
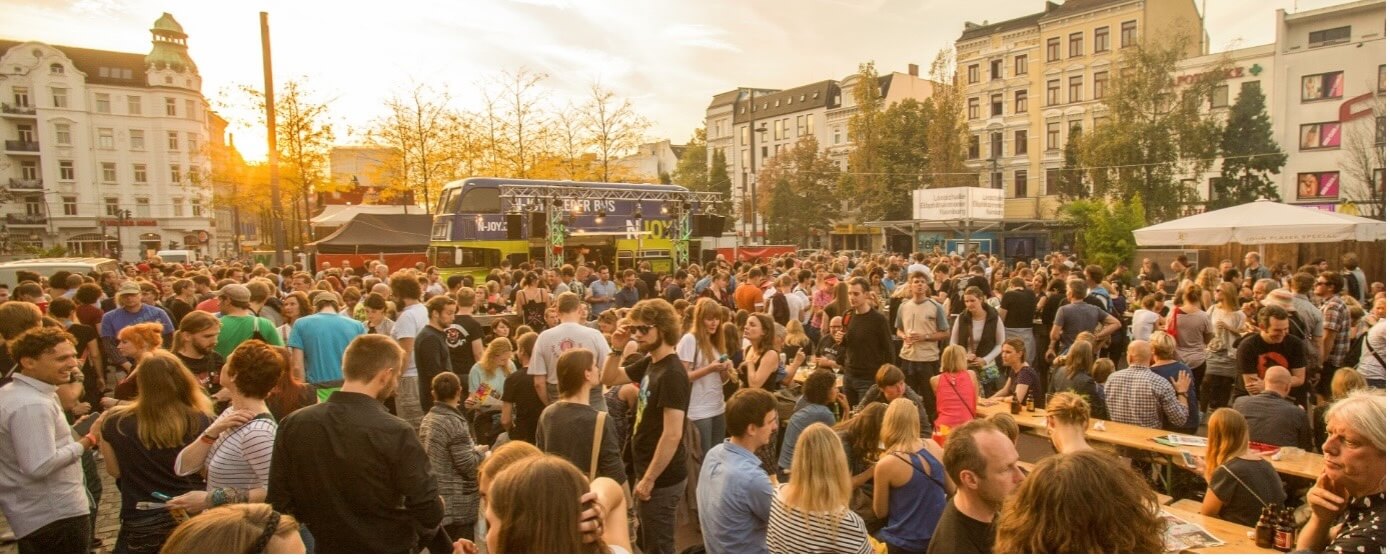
{"points": [[412, 319], [41, 485], [566, 335]]}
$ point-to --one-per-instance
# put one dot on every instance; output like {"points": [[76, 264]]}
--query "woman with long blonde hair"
{"points": [[246, 528], [702, 352], [492, 369], [141, 440], [811, 514], [1240, 482], [910, 483]]}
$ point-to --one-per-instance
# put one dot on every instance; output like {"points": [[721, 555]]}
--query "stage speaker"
{"points": [[704, 225], [538, 225], [514, 232]]}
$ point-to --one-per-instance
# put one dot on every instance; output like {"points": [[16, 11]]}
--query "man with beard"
{"points": [[351, 471], [984, 464]]}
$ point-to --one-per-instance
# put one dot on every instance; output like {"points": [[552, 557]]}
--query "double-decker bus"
{"points": [[482, 221]]}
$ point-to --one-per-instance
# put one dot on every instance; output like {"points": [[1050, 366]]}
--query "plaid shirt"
{"points": [[1139, 396], [1336, 318]]}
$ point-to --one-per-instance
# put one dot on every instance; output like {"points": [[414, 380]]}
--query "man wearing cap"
{"points": [[129, 310], [318, 341], [238, 324]]}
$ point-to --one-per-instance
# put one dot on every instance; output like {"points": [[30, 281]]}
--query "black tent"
{"points": [[378, 233]]}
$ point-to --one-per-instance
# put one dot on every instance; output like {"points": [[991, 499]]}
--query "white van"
{"points": [[179, 256], [48, 266]]}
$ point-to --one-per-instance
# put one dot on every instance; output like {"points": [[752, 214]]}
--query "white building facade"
{"points": [[91, 134]]}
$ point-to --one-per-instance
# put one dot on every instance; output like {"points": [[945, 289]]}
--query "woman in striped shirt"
{"points": [[234, 452], [811, 513]]}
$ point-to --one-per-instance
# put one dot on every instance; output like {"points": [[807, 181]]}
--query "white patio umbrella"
{"points": [[1261, 222]]}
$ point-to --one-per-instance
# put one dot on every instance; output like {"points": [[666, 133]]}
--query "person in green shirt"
{"points": [[238, 323]]}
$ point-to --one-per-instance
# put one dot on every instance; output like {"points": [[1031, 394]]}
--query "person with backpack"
{"points": [[239, 323]]}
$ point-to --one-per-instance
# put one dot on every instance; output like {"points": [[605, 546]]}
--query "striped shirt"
{"points": [[241, 458], [794, 531]]}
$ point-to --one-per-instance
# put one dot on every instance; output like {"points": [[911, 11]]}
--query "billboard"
{"points": [[957, 203]]}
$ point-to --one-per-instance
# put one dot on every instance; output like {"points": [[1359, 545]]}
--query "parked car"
{"points": [[48, 266]]}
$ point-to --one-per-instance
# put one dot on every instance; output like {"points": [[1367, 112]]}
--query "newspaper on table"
{"points": [[1182, 535], [1185, 440]]}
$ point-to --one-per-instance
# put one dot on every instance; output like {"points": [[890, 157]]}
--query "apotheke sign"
{"points": [[962, 202], [1229, 74]]}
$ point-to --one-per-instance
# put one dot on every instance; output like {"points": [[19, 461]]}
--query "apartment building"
{"points": [[90, 134]]}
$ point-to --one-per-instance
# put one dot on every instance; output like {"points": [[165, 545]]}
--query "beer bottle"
{"points": [[1283, 532], [1029, 405], [1264, 528]]}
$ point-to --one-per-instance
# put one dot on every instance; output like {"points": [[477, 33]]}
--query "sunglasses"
{"points": [[640, 329]]}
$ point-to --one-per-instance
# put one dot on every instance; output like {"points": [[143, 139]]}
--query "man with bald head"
{"points": [[1139, 396], [1273, 418]]}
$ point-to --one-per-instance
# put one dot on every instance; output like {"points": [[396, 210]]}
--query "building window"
{"points": [[113, 206], [996, 104], [972, 73], [1380, 80], [972, 108], [197, 207], [996, 180], [21, 96], [66, 171], [106, 138], [800, 125], [108, 172], [33, 206], [974, 149], [996, 69], [1334, 36], [1129, 33], [1054, 49], [1102, 84], [192, 142], [1074, 89], [1220, 96], [132, 105], [1054, 134], [996, 145], [103, 104], [60, 97], [69, 205], [1325, 185], [1053, 87], [173, 141], [810, 126], [1074, 42], [836, 142], [1021, 65], [1103, 39], [786, 128], [137, 140], [175, 174], [1250, 87], [62, 133], [1380, 130], [29, 170], [170, 106], [178, 207], [1073, 129], [142, 207], [1322, 86], [141, 176], [1320, 135], [1050, 185], [1020, 142], [55, 69], [1021, 101], [1021, 183], [191, 107]]}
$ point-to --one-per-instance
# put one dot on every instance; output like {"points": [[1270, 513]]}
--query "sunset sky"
{"points": [[668, 57]]}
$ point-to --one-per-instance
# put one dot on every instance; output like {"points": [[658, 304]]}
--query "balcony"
{"points": [[26, 184], [21, 146], [25, 220], [12, 111]]}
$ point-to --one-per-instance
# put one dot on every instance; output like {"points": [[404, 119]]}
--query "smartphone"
{"points": [[1188, 460], [723, 358]]}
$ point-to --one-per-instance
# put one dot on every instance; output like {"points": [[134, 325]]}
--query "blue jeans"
{"points": [[656, 532], [712, 431]]}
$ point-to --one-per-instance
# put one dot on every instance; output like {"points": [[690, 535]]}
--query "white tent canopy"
{"points": [[1261, 222], [335, 215]]}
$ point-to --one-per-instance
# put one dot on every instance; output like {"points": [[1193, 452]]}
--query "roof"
{"points": [[1073, 7], [91, 61], [368, 233], [678, 151], [722, 99], [788, 101], [334, 215], [167, 23], [1017, 23]]}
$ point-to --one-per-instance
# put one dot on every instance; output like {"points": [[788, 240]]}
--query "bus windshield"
{"points": [[485, 200]]}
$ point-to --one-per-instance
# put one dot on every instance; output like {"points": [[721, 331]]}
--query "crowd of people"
{"points": [[823, 403]]}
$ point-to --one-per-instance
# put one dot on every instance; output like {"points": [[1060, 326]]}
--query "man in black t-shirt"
{"points": [[658, 447], [432, 347], [465, 335], [1272, 346], [984, 464], [1016, 308]]}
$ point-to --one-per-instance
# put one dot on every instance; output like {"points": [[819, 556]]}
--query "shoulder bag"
{"points": [[598, 444]]}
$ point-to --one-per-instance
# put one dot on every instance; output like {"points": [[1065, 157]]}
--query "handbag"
{"points": [[598, 444]]}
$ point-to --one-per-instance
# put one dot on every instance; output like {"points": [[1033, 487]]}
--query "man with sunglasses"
{"points": [[658, 446]]}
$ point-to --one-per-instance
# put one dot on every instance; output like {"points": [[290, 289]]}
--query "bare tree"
{"points": [[572, 143], [1363, 160], [613, 125], [428, 136], [524, 130], [304, 136]]}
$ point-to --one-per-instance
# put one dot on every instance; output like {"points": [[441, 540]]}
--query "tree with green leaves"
{"points": [[946, 128], [692, 170], [1106, 227], [720, 182], [304, 137], [1071, 181], [865, 158], [1250, 153], [1155, 132], [803, 195], [903, 159]]}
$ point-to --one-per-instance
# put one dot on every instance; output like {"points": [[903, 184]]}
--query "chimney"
{"points": [[912, 70]]}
